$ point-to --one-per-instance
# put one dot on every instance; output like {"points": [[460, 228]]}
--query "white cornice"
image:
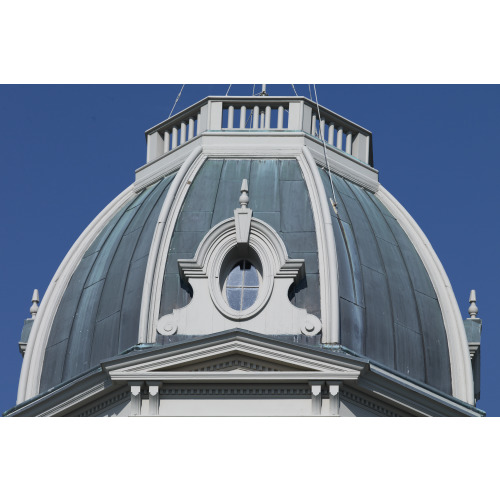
{"points": [[255, 144]]}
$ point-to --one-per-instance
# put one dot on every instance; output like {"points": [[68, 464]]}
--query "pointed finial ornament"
{"points": [[473, 307], [34, 303], [244, 199]]}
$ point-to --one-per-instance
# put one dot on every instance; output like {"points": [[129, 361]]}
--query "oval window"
{"points": [[242, 285]]}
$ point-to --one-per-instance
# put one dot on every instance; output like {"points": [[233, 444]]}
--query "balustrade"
{"points": [[254, 114]]}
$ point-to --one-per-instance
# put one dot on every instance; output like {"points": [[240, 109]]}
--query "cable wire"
{"points": [[293, 87], [227, 93], [176, 101], [334, 201]]}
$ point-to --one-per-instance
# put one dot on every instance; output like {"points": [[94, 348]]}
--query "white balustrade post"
{"points": [[256, 117], [322, 129], [361, 147], [191, 129], [214, 115], [230, 117], [166, 142], [348, 143], [243, 116], [280, 117], [183, 133], [268, 118], [155, 146], [331, 130], [313, 124], [340, 131], [198, 124], [262, 119], [295, 116], [174, 137]]}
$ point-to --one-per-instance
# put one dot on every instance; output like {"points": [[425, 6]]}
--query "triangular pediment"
{"points": [[235, 356]]}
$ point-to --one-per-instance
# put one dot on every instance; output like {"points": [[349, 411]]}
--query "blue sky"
{"points": [[66, 151]]}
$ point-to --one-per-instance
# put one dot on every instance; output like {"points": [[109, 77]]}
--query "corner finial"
{"points": [[34, 303], [244, 199], [473, 307]]}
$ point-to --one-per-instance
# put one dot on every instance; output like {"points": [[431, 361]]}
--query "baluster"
{"points": [[280, 116], [166, 142], [340, 131], [331, 130], [322, 129], [348, 143], [262, 119], [230, 117], [313, 125], [183, 133], [256, 117], [191, 129], [243, 116], [174, 137], [198, 122], [268, 117]]}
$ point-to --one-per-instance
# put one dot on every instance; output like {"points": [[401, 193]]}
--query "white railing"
{"points": [[257, 114]]}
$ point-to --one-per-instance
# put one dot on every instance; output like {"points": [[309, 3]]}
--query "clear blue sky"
{"points": [[67, 151]]}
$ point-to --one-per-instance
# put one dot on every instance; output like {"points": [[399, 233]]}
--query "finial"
{"points": [[473, 308], [34, 303], [244, 199]]}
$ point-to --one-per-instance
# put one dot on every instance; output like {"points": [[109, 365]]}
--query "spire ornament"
{"points": [[473, 307], [244, 199], [243, 216], [35, 300]]}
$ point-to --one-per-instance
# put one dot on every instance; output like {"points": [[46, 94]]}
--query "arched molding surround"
{"points": [[461, 368], [209, 311], [327, 256]]}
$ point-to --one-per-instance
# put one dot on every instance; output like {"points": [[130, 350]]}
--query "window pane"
{"points": [[235, 277], [251, 276], [234, 298], [249, 297]]}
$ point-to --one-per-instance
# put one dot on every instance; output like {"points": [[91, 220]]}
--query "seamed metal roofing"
{"points": [[389, 311]]}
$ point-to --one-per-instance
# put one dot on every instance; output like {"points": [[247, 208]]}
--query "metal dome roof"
{"points": [[388, 306]]}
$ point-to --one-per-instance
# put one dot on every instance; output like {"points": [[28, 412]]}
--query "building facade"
{"points": [[255, 267]]}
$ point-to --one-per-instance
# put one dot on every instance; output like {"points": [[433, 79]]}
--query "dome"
{"points": [[352, 258]]}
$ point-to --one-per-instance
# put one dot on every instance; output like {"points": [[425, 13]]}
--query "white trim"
{"points": [[261, 350], [461, 368], [154, 271], [234, 376], [31, 371], [209, 312], [327, 252], [234, 144]]}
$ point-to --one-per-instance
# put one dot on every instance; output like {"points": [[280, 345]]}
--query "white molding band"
{"points": [[461, 368], [327, 252], [29, 382], [151, 291]]}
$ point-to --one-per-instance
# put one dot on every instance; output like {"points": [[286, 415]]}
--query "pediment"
{"points": [[235, 357]]}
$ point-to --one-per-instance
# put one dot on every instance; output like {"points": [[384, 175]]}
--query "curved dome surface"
{"points": [[389, 311]]}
